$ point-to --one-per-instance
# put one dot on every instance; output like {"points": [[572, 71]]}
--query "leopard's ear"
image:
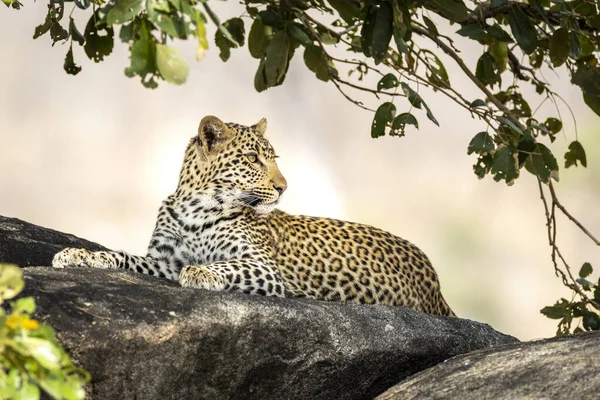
{"points": [[261, 126], [213, 134]]}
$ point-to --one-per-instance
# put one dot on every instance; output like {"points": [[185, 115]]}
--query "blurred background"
{"points": [[94, 155]]}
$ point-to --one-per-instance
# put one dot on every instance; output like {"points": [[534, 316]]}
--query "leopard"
{"points": [[221, 231]]}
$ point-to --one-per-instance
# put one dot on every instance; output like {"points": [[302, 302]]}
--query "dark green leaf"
{"points": [[98, 39], [523, 29], [382, 32], [554, 312], [260, 82], [483, 165], [593, 21], [454, 10], [553, 125], [230, 35], [482, 143], [315, 61], [257, 41], [588, 79], [575, 45], [74, 32], [560, 47], [298, 33], [473, 31], [478, 103], [575, 153], [586, 270], [487, 70], [541, 162], [504, 164], [498, 3], [498, 33], [383, 116], [387, 82], [366, 35], [347, 10], [276, 58], [416, 101], [70, 67], [400, 122], [271, 18], [591, 321], [123, 11], [58, 33], [431, 26]]}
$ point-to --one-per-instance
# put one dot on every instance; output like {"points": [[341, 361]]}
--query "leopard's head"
{"points": [[233, 163]]}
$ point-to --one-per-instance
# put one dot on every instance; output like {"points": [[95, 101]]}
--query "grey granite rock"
{"points": [[561, 368]]}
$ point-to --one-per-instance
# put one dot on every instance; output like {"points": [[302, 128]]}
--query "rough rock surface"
{"points": [[147, 338], [560, 368], [28, 245]]}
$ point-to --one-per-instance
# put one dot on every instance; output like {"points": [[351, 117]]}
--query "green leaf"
{"points": [[387, 82], [98, 39], [487, 70], [366, 35], [123, 11], [46, 353], [347, 10], [171, 64], [473, 31], [143, 58], [416, 101], [478, 103], [70, 67], [553, 125], [482, 143], [541, 162], [298, 33], [454, 10], [400, 122], [200, 34], [382, 32], [560, 47], [257, 41], [74, 32], [277, 58], [575, 46], [11, 281], [383, 116], [229, 35], [431, 26], [504, 164], [498, 3], [271, 18], [591, 321], [260, 82], [523, 29], [588, 79], [498, 33], [314, 60], [24, 305], [554, 312], [575, 153], [505, 121], [586, 270]]}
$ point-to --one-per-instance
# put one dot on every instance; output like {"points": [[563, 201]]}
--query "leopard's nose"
{"points": [[280, 188]]}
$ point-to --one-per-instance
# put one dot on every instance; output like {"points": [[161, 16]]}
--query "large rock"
{"points": [[147, 338], [28, 245], [560, 368]]}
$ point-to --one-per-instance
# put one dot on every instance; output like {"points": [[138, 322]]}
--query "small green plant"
{"points": [[30, 356], [582, 312]]}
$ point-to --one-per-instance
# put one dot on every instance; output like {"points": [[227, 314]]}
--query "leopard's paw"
{"points": [[201, 277], [72, 258]]}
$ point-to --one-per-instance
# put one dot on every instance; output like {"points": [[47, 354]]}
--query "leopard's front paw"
{"points": [[72, 258], [201, 277]]}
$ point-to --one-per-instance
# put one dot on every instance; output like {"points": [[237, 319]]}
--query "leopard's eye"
{"points": [[252, 157]]}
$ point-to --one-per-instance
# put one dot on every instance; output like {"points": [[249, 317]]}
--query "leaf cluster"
{"points": [[578, 315], [30, 356]]}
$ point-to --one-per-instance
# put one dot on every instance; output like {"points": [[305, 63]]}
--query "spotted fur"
{"points": [[220, 231]]}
